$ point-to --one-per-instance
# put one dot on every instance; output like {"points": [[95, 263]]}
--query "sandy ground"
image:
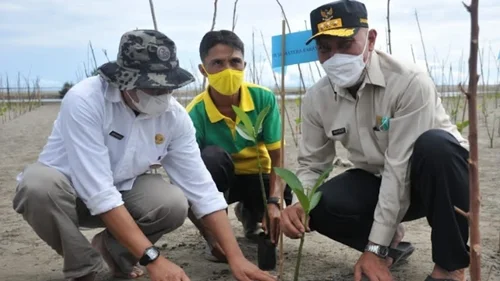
{"points": [[25, 257]]}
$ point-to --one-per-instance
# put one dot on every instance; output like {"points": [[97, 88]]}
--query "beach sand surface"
{"points": [[25, 257]]}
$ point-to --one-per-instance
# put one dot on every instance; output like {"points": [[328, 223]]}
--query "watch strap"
{"points": [[380, 251], [146, 258], [274, 200]]}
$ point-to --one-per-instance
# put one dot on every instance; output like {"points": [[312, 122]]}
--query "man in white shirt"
{"points": [[410, 160], [97, 170]]}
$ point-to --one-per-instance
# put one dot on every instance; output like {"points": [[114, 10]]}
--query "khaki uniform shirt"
{"points": [[401, 92]]}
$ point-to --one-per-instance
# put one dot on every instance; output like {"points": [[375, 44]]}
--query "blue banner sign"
{"points": [[296, 50]]}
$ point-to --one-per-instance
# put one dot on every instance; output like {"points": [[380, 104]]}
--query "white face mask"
{"points": [[151, 105], [345, 70]]}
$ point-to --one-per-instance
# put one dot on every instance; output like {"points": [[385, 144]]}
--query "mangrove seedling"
{"points": [[308, 199], [249, 131]]}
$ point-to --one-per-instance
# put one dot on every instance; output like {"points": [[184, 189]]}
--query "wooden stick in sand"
{"points": [[282, 164], [475, 196]]}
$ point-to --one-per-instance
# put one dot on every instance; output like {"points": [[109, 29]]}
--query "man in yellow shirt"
{"points": [[229, 154]]}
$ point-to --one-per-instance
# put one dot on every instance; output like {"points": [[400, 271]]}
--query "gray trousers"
{"points": [[49, 204]]}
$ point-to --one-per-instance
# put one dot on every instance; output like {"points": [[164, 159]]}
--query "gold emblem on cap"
{"points": [[327, 14], [331, 24], [159, 138]]}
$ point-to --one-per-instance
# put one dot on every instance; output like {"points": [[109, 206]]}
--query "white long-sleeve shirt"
{"points": [[101, 145], [401, 92]]}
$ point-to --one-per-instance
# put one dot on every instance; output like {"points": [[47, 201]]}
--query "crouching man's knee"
{"points": [[169, 214], [40, 189], [177, 209]]}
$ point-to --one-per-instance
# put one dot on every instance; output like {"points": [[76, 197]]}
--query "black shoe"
{"points": [[251, 227]]}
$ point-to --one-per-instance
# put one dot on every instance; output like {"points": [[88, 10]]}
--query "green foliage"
{"points": [[308, 199], [298, 101], [3, 109], [462, 125], [453, 114], [251, 131], [246, 125]]}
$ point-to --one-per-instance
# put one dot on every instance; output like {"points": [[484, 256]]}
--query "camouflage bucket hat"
{"points": [[147, 59]]}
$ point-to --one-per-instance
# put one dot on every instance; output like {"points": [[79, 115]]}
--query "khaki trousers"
{"points": [[49, 204]]}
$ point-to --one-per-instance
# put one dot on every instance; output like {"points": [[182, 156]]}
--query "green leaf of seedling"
{"points": [[260, 119], [314, 201], [298, 101], [304, 201], [320, 180], [298, 120], [290, 178], [242, 131], [245, 119]]}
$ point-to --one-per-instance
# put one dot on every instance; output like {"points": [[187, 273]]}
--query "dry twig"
{"points": [[214, 19], [235, 16]]}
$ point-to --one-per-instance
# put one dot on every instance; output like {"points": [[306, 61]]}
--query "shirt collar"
{"points": [[111, 92], [374, 75], [246, 104]]}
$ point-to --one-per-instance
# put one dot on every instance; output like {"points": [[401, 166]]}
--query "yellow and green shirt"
{"points": [[213, 128]]}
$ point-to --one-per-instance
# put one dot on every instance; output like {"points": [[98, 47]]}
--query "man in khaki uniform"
{"points": [[410, 160]]}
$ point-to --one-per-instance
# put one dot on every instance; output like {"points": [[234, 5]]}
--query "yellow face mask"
{"points": [[226, 82]]}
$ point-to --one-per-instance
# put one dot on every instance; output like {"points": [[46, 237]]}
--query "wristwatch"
{"points": [[274, 200], [380, 251], [150, 255]]}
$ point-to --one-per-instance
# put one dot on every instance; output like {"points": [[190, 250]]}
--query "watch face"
{"points": [[152, 253], [383, 251]]}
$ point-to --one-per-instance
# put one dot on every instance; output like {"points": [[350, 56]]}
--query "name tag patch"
{"points": [[337, 132], [116, 135]]}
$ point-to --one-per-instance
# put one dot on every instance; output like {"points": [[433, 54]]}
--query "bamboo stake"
{"points": [[475, 196], [153, 14], [290, 31], [278, 87], [282, 164]]}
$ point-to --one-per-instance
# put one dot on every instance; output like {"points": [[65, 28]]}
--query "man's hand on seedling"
{"points": [[292, 221], [275, 218]]}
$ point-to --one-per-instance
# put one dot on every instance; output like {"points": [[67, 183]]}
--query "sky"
{"points": [[49, 39]]}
